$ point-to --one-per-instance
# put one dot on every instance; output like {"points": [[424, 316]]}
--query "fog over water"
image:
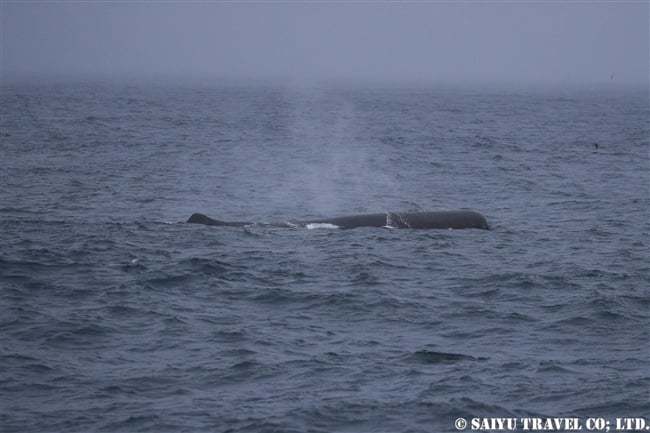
{"points": [[449, 42]]}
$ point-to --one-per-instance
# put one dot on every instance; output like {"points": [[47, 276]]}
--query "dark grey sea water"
{"points": [[115, 316]]}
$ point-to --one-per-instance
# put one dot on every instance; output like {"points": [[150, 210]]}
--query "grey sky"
{"points": [[574, 42]]}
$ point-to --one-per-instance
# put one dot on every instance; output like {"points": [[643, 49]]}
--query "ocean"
{"points": [[116, 316]]}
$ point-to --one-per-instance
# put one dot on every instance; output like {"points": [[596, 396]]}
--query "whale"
{"points": [[448, 219]]}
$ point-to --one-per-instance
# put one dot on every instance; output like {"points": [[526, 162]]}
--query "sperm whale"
{"points": [[450, 219]]}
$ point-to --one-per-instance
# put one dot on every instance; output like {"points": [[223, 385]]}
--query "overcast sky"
{"points": [[548, 42]]}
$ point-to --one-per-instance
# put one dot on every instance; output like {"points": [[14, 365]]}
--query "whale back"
{"points": [[455, 219], [199, 218]]}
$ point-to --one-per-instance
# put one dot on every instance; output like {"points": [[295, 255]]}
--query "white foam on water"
{"points": [[312, 226]]}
